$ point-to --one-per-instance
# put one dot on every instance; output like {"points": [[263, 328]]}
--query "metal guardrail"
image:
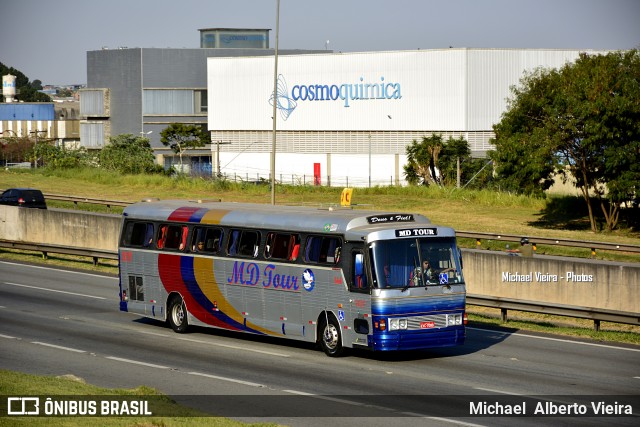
{"points": [[595, 314], [504, 304], [551, 241], [95, 254], [76, 200]]}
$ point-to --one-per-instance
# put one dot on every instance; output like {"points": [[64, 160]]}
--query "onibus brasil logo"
{"points": [[287, 102]]}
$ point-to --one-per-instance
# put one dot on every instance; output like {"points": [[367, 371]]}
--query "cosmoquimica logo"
{"points": [[345, 93]]}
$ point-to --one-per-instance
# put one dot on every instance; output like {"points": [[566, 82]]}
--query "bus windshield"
{"points": [[405, 263]]}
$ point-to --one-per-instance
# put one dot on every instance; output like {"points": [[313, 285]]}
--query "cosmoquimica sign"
{"points": [[346, 92]]}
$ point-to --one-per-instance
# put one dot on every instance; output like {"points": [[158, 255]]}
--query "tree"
{"points": [[422, 161], [128, 154], [434, 161], [455, 153], [524, 155], [583, 119], [181, 137]]}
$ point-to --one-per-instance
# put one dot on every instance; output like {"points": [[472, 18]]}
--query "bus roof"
{"points": [[353, 223]]}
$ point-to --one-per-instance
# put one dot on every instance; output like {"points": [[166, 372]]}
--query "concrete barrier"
{"points": [[557, 280], [545, 279], [60, 227]]}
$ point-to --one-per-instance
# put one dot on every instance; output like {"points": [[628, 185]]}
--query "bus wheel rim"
{"points": [[331, 336], [178, 314]]}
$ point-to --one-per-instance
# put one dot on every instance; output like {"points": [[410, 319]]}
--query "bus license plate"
{"points": [[427, 325]]}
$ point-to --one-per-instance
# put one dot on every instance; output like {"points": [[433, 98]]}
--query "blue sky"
{"points": [[48, 40]]}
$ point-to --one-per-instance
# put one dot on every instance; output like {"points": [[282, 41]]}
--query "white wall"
{"points": [[440, 90], [338, 170]]}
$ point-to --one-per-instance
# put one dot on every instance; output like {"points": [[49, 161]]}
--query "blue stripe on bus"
{"points": [[197, 215], [400, 307]]}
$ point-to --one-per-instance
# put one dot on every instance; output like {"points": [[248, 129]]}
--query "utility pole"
{"points": [[275, 109]]}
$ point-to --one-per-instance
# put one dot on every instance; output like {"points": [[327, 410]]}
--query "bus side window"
{"points": [[244, 243], [359, 274], [138, 234], [282, 246], [206, 239], [172, 236], [323, 249]]}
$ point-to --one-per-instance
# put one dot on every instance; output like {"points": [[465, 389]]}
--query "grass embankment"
{"points": [[466, 210], [18, 384]]}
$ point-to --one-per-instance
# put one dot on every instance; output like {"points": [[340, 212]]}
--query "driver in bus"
{"points": [[428, 272]]}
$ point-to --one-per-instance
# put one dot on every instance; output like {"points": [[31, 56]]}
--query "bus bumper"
{"points": [[417, 340]]}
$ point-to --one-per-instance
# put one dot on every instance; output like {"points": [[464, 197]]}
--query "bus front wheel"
{"points": [[177, 315], [330, 338]]}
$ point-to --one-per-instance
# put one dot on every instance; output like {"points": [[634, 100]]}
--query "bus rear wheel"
{"points": [[177, 315], [330, 338]]}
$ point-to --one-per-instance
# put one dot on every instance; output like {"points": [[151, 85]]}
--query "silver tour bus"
{"points": [[342, 278]]}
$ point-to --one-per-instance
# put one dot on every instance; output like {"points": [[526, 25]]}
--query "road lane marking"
{"points": [[233, 347], [9, 337], [53, 290], [490, 390], [136, 362], [59, 347], [556, 339], [232, 380]]}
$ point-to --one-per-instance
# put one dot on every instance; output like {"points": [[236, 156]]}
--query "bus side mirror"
{"points": [[359, 264]]}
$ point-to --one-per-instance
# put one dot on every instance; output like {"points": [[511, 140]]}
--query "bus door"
{"points": [[360, 296]]}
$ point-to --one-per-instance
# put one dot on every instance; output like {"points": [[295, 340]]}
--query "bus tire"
{"points": [[177, 315], [330, 336]]}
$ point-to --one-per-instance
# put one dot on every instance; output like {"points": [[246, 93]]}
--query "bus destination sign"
{"points": [[416, 232], [381, 219]]}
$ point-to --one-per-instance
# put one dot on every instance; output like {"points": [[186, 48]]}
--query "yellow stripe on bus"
{"points": [[213, 216]]}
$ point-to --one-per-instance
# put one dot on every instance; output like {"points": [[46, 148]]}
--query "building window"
{"points": [[200, 101], [168, 101], [92, 135]]}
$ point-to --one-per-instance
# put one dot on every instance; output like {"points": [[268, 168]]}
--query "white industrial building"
{"points": [[348, 117]]}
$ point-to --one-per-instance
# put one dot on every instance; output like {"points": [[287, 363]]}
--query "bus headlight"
{"points": [[454, 319], [397, 324]]}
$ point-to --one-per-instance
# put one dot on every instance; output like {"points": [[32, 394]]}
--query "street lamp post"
{"points": [[369, 159]]}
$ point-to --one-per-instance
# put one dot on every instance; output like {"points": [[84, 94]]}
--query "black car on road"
{"points": [[24, 197]]}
